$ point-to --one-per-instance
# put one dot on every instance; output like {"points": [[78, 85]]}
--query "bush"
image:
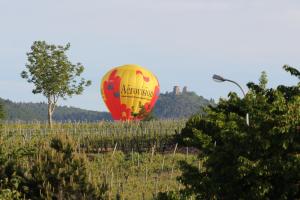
{"points": [[60, 173], [53, 171], [8, 194], [260, 161]]}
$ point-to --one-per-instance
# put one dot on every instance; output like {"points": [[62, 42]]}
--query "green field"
{"points": [[132, 160]]}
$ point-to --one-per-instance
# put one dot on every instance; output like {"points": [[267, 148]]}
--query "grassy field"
{"points": [[133, 160]]}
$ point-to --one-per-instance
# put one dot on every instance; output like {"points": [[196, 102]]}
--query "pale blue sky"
{"points": [[183, 42]]}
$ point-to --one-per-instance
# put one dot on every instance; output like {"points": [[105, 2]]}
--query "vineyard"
{"points": [[103, 136], [135, 160]]}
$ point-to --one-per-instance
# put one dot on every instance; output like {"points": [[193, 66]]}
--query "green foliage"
{"points": [[263, 80], [10, 176], [260, 161], [64, 113], [168, 196], [38, 112], [52, 74], [44, 164], [53, 171], [102, 136], [183, 105], [168, 106], [146, 115], [2, 113], [34, 157], [7, 194], [60, 173]]}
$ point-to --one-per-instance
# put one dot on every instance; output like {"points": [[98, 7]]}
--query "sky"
{"points": [[183, 42]]}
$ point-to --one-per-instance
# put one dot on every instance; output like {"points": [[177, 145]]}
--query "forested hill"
{"points": [[38, 111], [169, 105], [182, 105]]}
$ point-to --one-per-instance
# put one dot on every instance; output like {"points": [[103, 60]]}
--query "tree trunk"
{"points": [[50, 114], [52, 100]]}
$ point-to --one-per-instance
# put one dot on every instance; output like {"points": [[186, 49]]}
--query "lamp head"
{"points": [[218, 78]]}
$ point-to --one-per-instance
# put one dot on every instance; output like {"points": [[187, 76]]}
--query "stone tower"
{"points": [[176, 90], [184, 89]]}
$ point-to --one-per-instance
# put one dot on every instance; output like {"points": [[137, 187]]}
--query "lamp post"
{"points": [[218, 78]]}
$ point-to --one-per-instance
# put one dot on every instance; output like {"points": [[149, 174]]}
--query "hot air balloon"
{"points": [[129, 92]]}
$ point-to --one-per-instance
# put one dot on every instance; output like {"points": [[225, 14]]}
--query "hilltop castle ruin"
{"points": [[176, 90]]}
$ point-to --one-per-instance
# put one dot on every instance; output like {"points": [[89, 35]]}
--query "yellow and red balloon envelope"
{"points": [[129, 92]]}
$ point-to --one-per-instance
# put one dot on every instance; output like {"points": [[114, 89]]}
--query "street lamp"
{"points": [[218, 78]]}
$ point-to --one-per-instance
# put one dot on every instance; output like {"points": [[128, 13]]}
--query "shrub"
{"points": [[59, 172], [260, 161]]}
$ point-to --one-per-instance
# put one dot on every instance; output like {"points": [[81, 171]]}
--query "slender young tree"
{"points": [[52, 74]]}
